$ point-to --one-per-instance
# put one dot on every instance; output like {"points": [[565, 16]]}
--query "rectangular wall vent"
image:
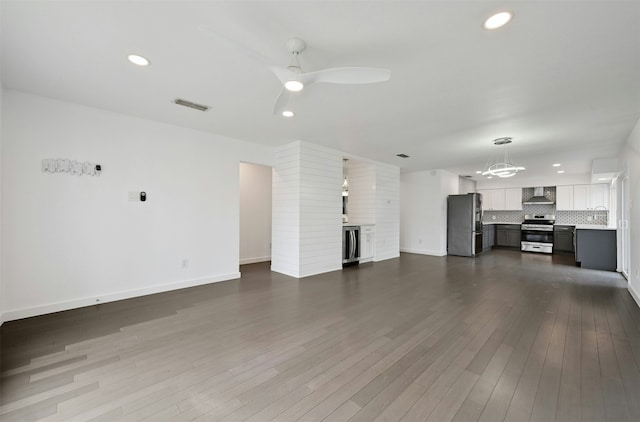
{"points": [[191, 105]]}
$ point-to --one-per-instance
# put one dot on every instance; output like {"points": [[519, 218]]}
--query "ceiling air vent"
{"points": [[402, 155], [191, 105]]}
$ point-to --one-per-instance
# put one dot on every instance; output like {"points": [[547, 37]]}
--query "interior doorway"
{"points": [[255, 213]]}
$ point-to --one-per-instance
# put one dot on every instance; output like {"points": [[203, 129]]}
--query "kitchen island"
{"points": [[596, 247]]}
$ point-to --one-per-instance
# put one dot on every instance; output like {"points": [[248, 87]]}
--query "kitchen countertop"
{"points": [[498, 222], [593, 227], [357, 224]]}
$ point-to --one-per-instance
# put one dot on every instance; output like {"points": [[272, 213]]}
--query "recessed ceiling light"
{"points": [[560, 171], [139, 60], [498, 20], [556, 165], [604, 178], [288, 113], [489, 177], [294, 85]]}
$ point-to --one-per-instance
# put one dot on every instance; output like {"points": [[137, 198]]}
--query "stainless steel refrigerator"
{"points": [[464, 224]]}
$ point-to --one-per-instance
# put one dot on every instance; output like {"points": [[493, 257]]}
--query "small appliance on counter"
{"points": [[350, 245], [537, 233], [464, 224]]}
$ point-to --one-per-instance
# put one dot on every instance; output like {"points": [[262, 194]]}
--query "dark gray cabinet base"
{"points": [[596, 249], [563, 239], [508, 235]]}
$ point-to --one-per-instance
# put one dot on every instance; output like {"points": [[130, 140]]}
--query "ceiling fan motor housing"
{"points": [[296, 46]]}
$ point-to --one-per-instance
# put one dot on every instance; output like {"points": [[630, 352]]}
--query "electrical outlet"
{"points": [[185, 264], [419, 241]]}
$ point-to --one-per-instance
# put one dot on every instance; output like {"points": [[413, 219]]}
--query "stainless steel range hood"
{"points": [[539, 198]]}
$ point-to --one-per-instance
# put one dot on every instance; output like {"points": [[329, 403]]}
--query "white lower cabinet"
{"points": [[367, 243]]}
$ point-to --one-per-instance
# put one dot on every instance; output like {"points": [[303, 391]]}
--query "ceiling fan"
{"points": [[294, 79]]}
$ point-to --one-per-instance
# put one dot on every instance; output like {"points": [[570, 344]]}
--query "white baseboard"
{"points": [[111, 297], [384, 257], [423, 251], [634, 294], [254, 260]]}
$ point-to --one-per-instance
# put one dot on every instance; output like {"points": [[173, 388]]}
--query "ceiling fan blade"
{"points": [[282, 101], [347, 75], [283, 73], [252, 54]]}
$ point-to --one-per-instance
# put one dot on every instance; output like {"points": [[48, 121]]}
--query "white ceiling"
{"points": [[562, 78]]}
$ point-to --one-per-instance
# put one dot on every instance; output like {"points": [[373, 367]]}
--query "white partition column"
{"points": [[307, 210], [387, 212]]}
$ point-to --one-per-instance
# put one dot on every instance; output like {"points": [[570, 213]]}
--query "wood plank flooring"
{"points": [[506, 336]]}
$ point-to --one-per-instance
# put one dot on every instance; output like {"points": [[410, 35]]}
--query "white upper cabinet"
{"points": [[501, 199], [513, 199], [497, 199], [599, 196], [564, 198], [582, 197]]}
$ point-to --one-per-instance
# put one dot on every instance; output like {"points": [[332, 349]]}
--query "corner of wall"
{"points": [[1, 240], [634, 294]]}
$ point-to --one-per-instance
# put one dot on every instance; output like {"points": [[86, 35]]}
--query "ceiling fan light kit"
{"points": [[293, 85], [502, 166]]}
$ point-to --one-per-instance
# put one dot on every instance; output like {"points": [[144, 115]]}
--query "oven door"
{"points": [[537, 236]]}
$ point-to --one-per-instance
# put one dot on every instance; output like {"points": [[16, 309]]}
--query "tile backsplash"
{"points": [[562, 217], [582, 217]]}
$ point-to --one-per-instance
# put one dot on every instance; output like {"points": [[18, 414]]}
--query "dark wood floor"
{"points": [[506, 336]]}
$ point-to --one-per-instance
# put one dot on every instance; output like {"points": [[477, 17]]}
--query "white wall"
{"points": [[387, 212], [362, 192], [71, 241], [255, 213], [466, 185], [423, 219], [629, 162], [1, 178], [1, 136], [307, 210]]}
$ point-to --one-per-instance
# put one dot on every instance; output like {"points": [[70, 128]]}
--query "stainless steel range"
{"points": [[537, 233]]}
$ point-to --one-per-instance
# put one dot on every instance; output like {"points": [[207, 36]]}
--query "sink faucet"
{"points": [[595, 217]]}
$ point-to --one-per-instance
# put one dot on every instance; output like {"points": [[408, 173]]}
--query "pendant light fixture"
{"points": [[345, 182], [502, 166]]}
